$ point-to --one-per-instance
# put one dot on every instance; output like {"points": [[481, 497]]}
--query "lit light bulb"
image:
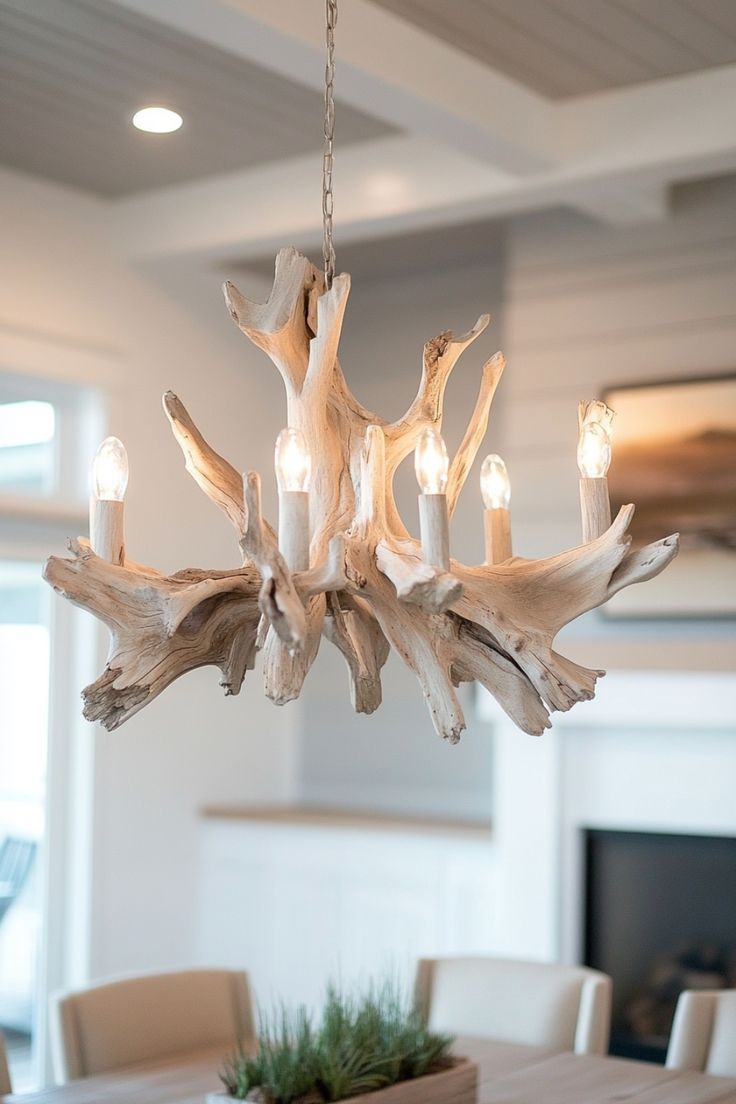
{"points": [[110, 471], [494, 483], [157, 120], [594, 451], [431, 463], [292, 461]]}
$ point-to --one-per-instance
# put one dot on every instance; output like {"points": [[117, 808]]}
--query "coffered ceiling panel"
{"points": [[72, 72], [566, 48]]}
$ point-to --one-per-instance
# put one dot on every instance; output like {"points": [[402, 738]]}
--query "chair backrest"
{"points": [[5, 1086], [565, 1007], [704, 1033], [145, 1017]]}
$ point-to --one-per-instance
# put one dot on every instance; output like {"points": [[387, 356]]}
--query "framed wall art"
{"points": [[674, 455]]}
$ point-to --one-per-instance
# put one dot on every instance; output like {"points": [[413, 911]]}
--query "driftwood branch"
{"points": [[367, 589], [218, 479], [160, 627]]}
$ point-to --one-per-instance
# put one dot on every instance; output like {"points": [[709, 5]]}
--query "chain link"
{"points": [[328, 249]]}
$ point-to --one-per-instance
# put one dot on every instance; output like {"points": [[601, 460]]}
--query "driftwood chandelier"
{"points": [[343, 564]]}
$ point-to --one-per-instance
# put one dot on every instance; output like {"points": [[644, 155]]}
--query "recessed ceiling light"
{"points": [[157, 120]]}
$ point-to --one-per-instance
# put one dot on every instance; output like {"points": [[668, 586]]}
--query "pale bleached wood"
{"points": [[508, 1072], [497, 530], [160, 627], [107, 530], [367, 589], [352, 628], [467, 451], [281, 326], [595, 507], [216, 477], [419, 583]]}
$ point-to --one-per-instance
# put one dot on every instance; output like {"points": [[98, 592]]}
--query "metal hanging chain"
{"points": [[328, 249]]}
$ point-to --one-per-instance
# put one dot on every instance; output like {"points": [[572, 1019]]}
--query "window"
{"points": [[47, 432], [24, 684], [27, 438]]}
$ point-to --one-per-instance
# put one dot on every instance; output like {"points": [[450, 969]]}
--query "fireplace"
{"points": [[658, 918]]}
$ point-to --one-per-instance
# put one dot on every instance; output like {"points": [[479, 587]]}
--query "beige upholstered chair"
{"points": [[5, 1086], [566, 1007], [704, 1033], [149, 1016]]}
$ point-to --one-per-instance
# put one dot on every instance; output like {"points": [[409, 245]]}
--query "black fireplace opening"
{"points": [[659, 917]]}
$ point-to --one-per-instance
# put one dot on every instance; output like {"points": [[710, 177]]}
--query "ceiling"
{"points": [[564, 48], [72, 72], [478, 242]]}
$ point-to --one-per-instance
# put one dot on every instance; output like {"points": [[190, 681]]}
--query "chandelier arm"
{"points": [[476, 658], [285, 668], [643, 564], [439, 357], [215, 476], [468, 449], [418, 637], [355, 632], [284, 325], [416, 582], [160, 627]]}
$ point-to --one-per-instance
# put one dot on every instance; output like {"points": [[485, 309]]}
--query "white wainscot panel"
{"points": [[299, 905]]}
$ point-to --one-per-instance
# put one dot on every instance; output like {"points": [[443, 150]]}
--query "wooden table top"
{"points": [[509, 1074]]}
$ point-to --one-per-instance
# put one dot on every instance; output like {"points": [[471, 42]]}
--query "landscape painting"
{"points": [[674, 456]]}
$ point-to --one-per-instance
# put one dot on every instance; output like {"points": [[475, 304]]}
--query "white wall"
{"points": [[105, 325]]}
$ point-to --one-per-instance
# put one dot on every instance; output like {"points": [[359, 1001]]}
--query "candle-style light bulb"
{"points": [[292, 461], [495, 486], [431, 462], [594, 451], [110, 471]]}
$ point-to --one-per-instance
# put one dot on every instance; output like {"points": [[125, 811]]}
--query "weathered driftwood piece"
{"points": [[367, 588], [160, 627]]}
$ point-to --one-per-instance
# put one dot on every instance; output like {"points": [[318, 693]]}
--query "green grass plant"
{"points": [[363, 1043]]}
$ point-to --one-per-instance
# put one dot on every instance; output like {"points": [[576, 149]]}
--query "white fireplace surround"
{"points": [[656, 751]]}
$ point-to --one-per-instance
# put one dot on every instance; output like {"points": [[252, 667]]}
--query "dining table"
{"points": [[508, 1073]]}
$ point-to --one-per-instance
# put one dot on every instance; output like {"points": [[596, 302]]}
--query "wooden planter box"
{"points": [[457, 1085]]}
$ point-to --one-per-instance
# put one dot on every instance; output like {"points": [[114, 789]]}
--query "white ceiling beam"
{"points": [[386, 68], [675, 126], [381, 186]]}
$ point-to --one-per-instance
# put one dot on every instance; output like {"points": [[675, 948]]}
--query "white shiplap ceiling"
{"points": [[564, 48], [73, 71]]}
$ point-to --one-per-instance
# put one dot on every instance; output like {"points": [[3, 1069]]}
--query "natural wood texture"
{"points": [[497, 528], [323, 816], [509, 1073], [368, 588]]}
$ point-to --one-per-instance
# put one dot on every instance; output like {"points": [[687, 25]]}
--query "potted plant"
{"points": [[370, 1046]]}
